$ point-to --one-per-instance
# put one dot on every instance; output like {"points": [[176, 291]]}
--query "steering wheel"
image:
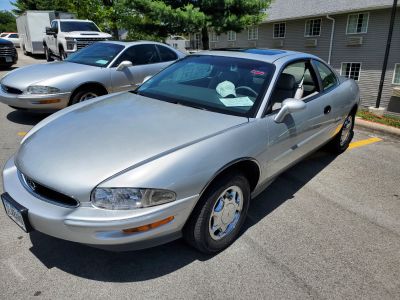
{"points": [[249, 89]]}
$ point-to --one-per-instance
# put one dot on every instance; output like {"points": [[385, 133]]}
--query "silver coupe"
{"points": [[182, 155], [99, 69]]}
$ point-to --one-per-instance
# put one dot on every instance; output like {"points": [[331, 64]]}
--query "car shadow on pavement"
{"points": [[25, 117], [96, 264]]}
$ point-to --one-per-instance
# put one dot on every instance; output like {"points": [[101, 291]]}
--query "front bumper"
{"points": [[3, 61], [35, 101], [98, 227]]}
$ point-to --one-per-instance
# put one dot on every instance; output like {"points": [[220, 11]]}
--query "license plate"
{"points": [[16, 212], [9, 59]]}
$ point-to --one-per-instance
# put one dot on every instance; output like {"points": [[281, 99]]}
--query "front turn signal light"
{"points": [[148, 226]]}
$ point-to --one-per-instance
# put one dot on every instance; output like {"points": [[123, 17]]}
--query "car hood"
{"points": [[23, 77], [78, 150], [5, 42], [83, 34]]}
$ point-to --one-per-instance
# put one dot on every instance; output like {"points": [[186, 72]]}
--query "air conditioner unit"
{"points": [[278, 43], [354, 41], [252, 43], [396, 92], [311, 43]]}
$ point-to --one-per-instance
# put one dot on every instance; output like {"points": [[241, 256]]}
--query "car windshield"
{"points": [[224, 84], [78, 26], [3, 34], [97, 54]]}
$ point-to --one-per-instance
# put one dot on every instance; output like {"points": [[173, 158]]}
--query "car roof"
{"points": [[74, 20], [262, 54]]}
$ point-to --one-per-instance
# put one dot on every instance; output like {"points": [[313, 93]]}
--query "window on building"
{"points": [[252, 33], [396, 75], [351, 70], [279, 30], [214, 36], [313, 27], [357, 23], [231, 35]]}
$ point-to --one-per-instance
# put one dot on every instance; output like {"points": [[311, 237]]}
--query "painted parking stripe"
{"points": [[364, 142], [22, 133]]}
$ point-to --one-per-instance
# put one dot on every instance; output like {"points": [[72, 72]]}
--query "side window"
{"points": [[128, 54], [166, 54], [145, 54], [14, 36], [328, 78], [297, 81], [54, 26]]}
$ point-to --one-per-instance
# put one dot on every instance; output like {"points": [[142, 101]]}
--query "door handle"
{"points": [[327, 109]]}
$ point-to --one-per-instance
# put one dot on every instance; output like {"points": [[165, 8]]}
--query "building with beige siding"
{"points": [[349, 34]]}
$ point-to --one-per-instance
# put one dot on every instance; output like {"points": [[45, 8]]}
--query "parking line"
{"points": [[364, 142], [22, 133]]}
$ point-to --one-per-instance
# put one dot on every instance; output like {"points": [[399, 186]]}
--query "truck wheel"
{"points": [[24, 50], [84, 94], [48, 54], [63, 55]]}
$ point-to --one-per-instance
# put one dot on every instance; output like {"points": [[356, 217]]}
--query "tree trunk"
{"points": [[204, 38]]}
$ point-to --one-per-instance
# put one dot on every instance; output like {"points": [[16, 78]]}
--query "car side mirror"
{"points": [[146, 78], [289, 106], [49, 31], [124, 64]]}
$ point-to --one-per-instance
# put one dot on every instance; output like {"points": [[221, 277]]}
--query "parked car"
{"points": [[11, 36], [66, 36], [8, 53], [99, 69], [181, 155]]}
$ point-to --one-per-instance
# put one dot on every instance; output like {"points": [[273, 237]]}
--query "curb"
{"points": [[377, 127]]}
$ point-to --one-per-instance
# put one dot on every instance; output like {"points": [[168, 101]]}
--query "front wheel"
{"points": [[216, 220], [48, 54], [85, 93], [342, 140], [63, 55]]}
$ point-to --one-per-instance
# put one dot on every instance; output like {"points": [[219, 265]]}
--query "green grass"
{"points": [[387, 120]]}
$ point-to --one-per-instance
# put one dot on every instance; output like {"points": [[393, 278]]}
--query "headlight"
{"points": [[39, 89], [130, 198]]}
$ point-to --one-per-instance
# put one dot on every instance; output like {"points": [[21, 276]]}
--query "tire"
{"points": [[202, 230], [24, 50], [84, 94], [63, 55], [342, 140], [48, 54]]}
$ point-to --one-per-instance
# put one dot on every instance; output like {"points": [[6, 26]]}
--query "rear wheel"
{"points": [[85, 93], [217, 218], [342, 140]]}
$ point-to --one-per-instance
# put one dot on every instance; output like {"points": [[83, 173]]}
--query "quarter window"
{"points": [[252, 33], [351, 70], [313, 27], [328, 78], [231, 35], [357, 23], [396, 75], [279, 30]]}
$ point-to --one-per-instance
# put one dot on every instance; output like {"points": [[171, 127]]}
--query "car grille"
{"points": [[8, 51], [47, 194], [10, 90], [84, 42]]}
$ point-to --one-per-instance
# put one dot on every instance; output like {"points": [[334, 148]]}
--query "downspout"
{"points": [[331, 42]]}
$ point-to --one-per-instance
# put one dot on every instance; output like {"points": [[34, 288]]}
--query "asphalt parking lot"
{"points": [[327, 228]]}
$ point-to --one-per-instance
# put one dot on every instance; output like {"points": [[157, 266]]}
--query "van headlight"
{"points": [[40, 89], [130, 198]]}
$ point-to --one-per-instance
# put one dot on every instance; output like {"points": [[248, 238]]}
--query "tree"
{"points": [[7, 22], [225, 15], [23, 5]]}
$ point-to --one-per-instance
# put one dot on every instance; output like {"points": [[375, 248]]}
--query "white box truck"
{"points": [[31, 28]]}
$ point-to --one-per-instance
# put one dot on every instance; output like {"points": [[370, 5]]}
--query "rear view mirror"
{"points": [[124, 64], [49, 31], [289, 106]]}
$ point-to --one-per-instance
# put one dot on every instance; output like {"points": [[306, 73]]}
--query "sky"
{"points": [[5, 5]]}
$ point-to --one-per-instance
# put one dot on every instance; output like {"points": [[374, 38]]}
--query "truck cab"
{"points": [[65, 36]]}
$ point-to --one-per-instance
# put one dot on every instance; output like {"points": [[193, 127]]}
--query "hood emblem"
{"points": [[31, 184]]}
